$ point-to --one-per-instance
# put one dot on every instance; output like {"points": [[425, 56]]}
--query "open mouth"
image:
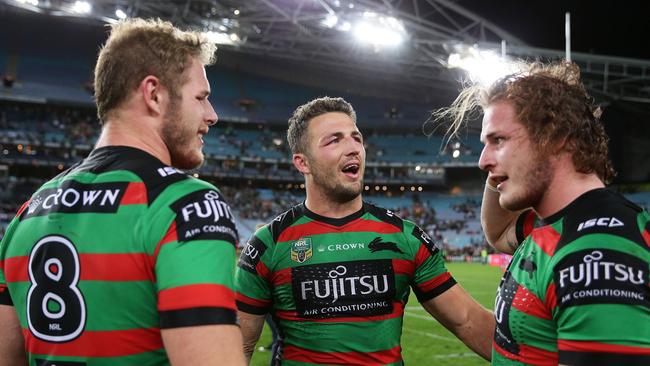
{"points": [[351, 169], [498, 179]]}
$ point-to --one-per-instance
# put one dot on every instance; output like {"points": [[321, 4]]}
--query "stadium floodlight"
{"points": [[223, 38], [330, 20], [482, 66], [82, 7], [379, 30], [120, 14], [28, 2]]}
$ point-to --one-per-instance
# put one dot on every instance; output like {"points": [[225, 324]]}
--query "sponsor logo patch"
{"points": [[502, 304], [601, 276], [301, 250], [75, 197], [600, 221], [425, 239], [251, 254], [204, 215], [340, 247], [345, 289]]}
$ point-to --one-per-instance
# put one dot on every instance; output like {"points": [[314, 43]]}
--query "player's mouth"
{"points": [[352, 169], [499, 180]]}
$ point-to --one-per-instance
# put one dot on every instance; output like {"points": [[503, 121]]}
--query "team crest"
{"points": [[301, 250]]}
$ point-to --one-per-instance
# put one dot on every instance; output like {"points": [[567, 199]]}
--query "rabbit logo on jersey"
{"points": [[204, 215], [344, 289], [601, 276]]}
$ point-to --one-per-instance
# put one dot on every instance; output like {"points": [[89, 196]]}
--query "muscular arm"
{"points": [[204, 345], [251, 327], [457, 311], [12, 346], [499, 224]]}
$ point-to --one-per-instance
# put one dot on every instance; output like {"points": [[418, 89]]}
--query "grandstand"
{"points": [[48, 122]]}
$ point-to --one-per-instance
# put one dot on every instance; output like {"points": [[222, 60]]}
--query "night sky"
{"points": [[603, 27]]}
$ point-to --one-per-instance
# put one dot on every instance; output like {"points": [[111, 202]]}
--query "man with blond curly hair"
{"points": [[576, 291]]}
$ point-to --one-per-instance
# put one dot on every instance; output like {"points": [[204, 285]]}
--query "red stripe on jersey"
{"points": [[314, 228], [23, 207], [15, 268], [546, 238], [99, 343], [403, 266], [281, 277], [551, 299], [253, 302], [529, 221], [434, 282], [646, 237], [170, 236], [530, 355], [262, 270], [526, 302], [581, 346], [116, 267], [136, 193], [398, 311], [195, 296], [294, 353], [94, 267], [422, 255]]}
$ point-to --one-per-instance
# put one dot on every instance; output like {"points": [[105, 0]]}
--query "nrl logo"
{"points": [[301, 250]]}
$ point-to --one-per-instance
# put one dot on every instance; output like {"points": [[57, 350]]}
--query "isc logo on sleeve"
{"points": [[601, 221]]}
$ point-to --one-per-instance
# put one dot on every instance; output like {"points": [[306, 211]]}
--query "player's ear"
{"points": [[152, 93], [301, 163]]}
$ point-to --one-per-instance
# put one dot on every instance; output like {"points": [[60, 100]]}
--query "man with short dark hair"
{"points": [[336, 272], [576, 291], [123, 259]]}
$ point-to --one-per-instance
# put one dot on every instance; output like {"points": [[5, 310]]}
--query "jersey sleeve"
{"points": [[602, 302], [195, 258], [5, 296], [252, 282], [431, 277]]}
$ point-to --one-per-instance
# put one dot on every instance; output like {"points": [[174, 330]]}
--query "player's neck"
{"points": [[564, 188], [318, 203], [138, 134]]}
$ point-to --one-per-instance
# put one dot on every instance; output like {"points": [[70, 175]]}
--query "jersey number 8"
{"points": [[56, 311]]}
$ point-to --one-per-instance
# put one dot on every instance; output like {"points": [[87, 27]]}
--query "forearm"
{"points": [[499, 224], [251, 328], [12, 346], [478, 332]]}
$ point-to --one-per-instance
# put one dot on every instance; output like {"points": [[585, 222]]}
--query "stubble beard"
{"points": [[536, 183], [333, 189], [177, 140]]}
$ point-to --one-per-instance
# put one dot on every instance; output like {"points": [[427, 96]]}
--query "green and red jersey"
{"points": [[576, 291], [118, 247], [338, 287]]}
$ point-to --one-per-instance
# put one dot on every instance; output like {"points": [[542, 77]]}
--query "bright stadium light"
{"points": [[482, 66], [223, 38], [29, 2], [330, 20], [120, 14], [82, 7], [379, 30]]}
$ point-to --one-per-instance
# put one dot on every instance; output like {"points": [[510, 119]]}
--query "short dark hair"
{"points": [[299, 121]]}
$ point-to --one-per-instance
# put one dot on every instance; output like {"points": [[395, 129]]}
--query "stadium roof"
{"points": [[318, 35]]}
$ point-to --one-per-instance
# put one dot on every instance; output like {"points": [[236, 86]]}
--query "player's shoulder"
{"points": [[602, 212], [284, 220], [386, 215]]}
